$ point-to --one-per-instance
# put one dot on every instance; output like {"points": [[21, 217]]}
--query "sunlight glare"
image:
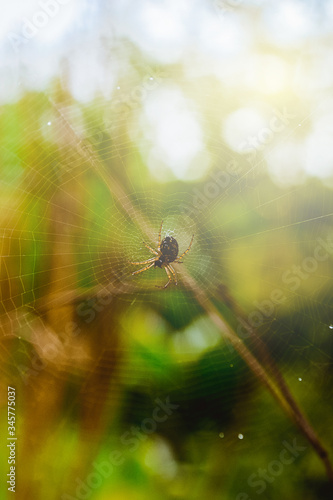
{"points": [[267, 73], [161, 22], [289, 22], [240, 125], [285, 163], [319, 154], [175, 131], [222, 38]]}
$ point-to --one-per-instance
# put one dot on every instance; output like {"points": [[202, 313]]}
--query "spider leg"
{"points": [[143, 269], [149, 248], [159, 237], [174, 274], [143, 261], [169, 276], [184, 253]]}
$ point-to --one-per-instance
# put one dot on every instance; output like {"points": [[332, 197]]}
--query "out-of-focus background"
{"points": [[215, 117]]}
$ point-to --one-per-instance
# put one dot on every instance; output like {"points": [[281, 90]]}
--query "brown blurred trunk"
{"points": [[92, 353]]}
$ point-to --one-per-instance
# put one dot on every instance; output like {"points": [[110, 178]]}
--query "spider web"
{"points": [[109, 238]]}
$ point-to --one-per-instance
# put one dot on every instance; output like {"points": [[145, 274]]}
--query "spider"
{"points": [[166, 252]]}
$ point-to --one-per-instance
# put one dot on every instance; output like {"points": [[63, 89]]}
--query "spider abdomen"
{"points": [[169, 250]]}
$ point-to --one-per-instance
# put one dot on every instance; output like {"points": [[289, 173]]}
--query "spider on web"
{"points": [[166, 252]]}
